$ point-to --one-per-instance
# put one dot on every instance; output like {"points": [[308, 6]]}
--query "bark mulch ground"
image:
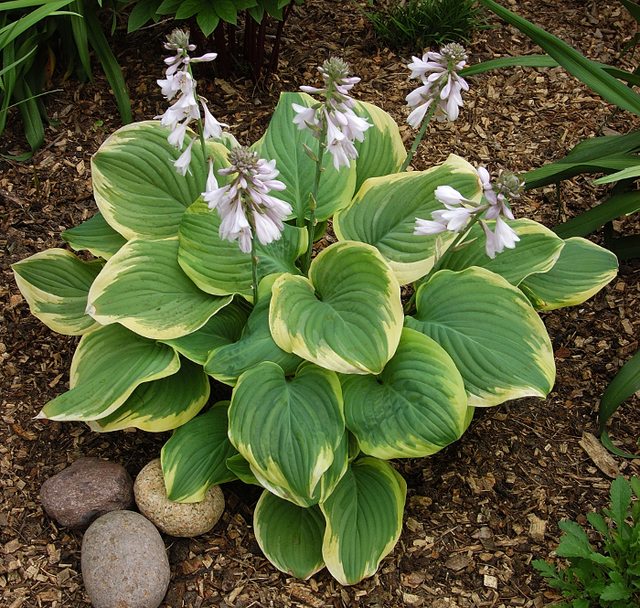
{"points": [[479, 511]]}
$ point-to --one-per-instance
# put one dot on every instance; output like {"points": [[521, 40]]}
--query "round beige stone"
{"points": [[175, 518]]}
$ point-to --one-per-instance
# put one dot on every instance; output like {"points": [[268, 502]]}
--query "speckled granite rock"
{"points": [[90, 487], [124, 562], [175, 518]]}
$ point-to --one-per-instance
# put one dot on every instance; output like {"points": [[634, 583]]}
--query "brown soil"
{"points": [[479, 511]]}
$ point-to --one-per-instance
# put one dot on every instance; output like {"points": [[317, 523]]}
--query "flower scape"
{"points": [[201, 272]]}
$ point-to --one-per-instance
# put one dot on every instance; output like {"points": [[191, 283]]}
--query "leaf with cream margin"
{"points": [[414, 408], [284, 142], [55, 283], [95, 236], [494, 336], [383, 214], [136, 186], [288, 429], [581, 271], [347, 316], [160, 405], [290, 536], [364, 519], [108, 365], [195, 457], [143, 288]]}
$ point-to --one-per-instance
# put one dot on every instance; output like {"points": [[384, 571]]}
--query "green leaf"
{"points": [[108, 365], [284, 143], [582, 270], [226, 11], [414, 408], [599, 523], [537, 251], [218, 266], [364, 519], [382, 151], [143, 288], [384, 211], [240, 466], [160, 405], [495, 338], [347, 316], [532, 61], [620, 500], [95, 236], [290, 536], [618, 205], [207, 19], [224, 328], [616, 591], [625, 384], [194, 459], [575, 542], [629, 172], [136, 186], [55, 283], [571, 60], [287, 429], [227, 362]]}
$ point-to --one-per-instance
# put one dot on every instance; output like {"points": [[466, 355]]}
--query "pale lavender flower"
{"points": [[341, 124], [183, 162], [502, 236], [245, 206], [439, 75]]}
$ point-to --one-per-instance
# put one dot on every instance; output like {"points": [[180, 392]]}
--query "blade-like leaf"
{"points": [[108, 365], [288, 429], [364, 519], [96, 236], [347, 316], [56, 283], [290, 536], [532, 61], [582, 270], [414, 408], [494, 336], [194, 459], [160, 405], [384, 211], [143, 288]]}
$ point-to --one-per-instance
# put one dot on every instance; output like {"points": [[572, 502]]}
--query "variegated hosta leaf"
{"points": [[284, 142], [414, 408], [364, 519], [383, 213], [347, 316], [382, 151], [290, 536], [288, 430], [96, 236], [136, 186], [160, 405], [194, 459], [55, 283], [227, 362], [537, 251], [218, 266], [143, 288], [224, 328], [582, 270], [108, 365], [497, 341], [240, 467]]}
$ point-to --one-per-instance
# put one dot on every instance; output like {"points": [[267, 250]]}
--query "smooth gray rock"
{"points": [[175, 518], [124, 562], [87, 489]]}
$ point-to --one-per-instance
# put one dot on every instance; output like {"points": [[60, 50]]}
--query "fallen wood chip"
{"points": [[537, 527], [599, 454], [458, 562]]}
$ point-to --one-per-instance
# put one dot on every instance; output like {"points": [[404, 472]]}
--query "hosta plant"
{"points": [[201, 274]]}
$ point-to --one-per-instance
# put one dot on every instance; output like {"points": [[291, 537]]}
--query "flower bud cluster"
{"points": [[335, 116], [179, 81], [439, 75], [460, 210], [245, 206]]}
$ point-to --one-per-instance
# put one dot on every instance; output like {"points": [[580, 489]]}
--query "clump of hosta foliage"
{"points": [[331, 376]]}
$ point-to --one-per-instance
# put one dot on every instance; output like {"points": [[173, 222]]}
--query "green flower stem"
{"points": [[438, 264], [423, 129], [306, 262], [254, 268]]}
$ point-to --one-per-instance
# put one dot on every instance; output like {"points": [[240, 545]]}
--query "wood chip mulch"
{"points": [[479, 511]]}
